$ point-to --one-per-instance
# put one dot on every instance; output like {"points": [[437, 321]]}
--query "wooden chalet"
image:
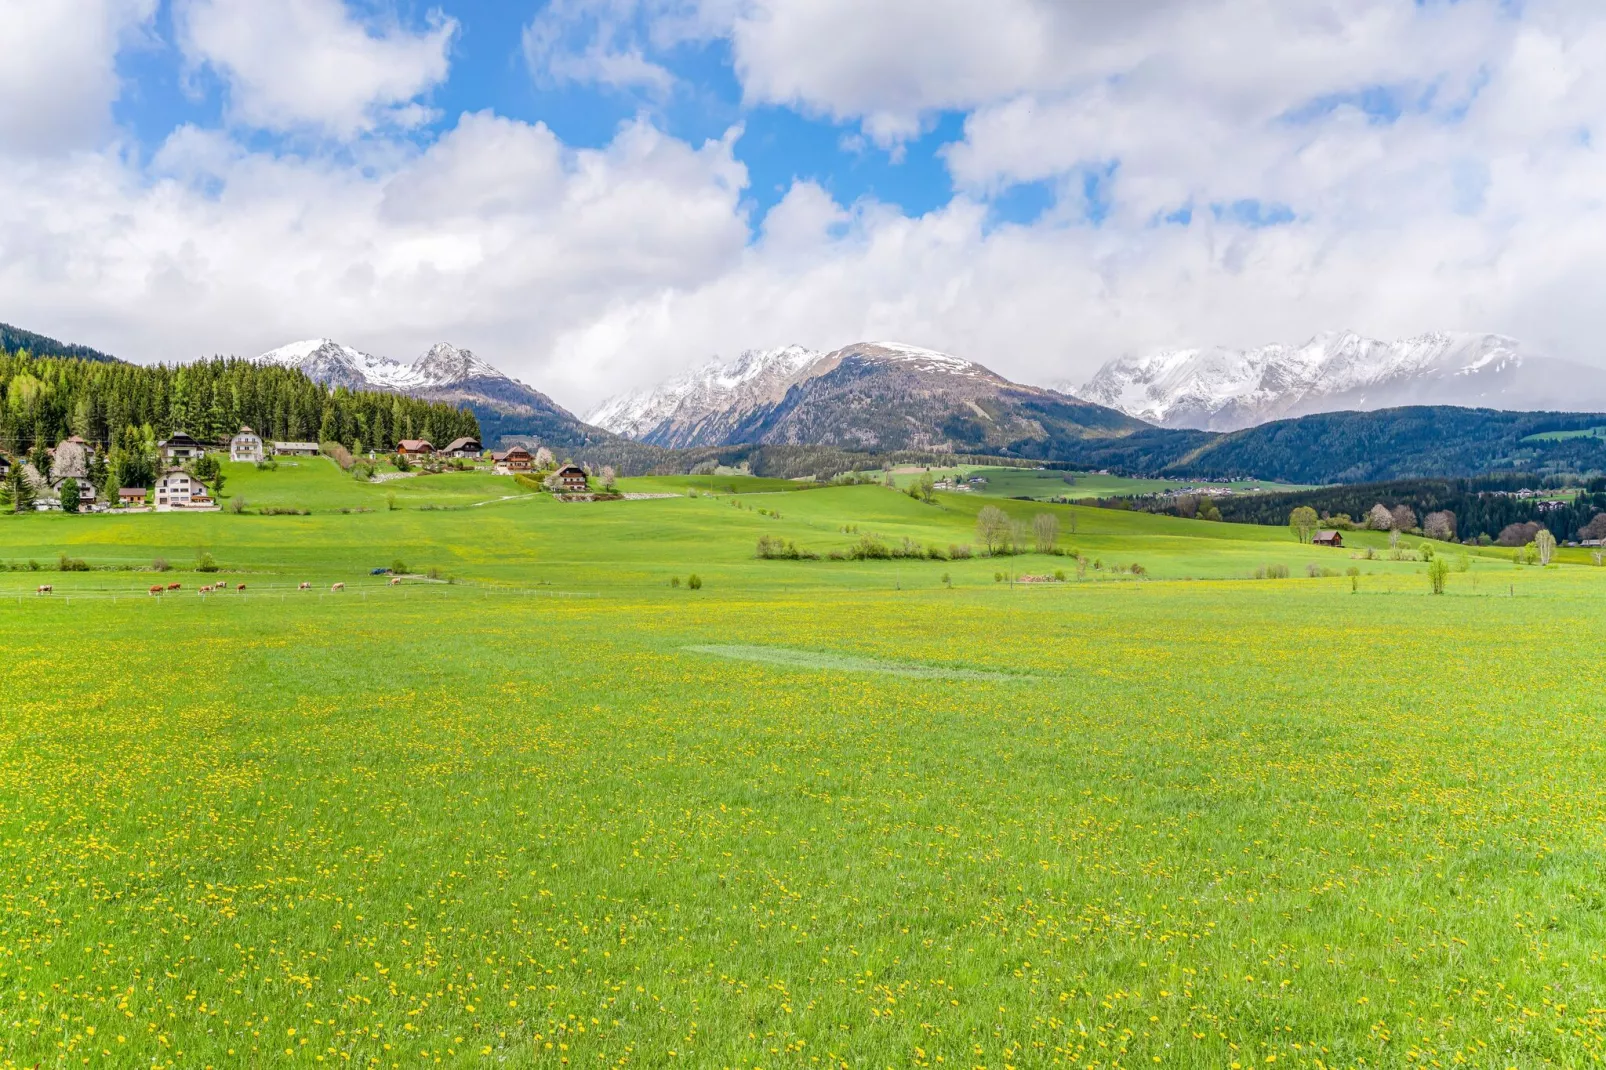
{"points": [[1328, 538]]}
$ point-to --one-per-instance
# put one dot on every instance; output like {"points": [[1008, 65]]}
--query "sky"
{"points": [[597, 194]]}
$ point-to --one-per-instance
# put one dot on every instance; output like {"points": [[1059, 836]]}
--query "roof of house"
{"points": [[313, 446], [246, 431], [1327, 536], [464, 443], [128, 492], [179, 438], [571, 469], [414, 444]]}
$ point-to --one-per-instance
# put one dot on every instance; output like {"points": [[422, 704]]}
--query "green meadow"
{"points": [[1052, 483], [551, 810]]}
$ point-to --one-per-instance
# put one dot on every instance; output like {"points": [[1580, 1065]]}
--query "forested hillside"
{"points": [[45, 399], [17, 340]]}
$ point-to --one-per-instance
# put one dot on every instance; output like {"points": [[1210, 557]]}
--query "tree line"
{"points": [[1485, 506], [127, 407]]}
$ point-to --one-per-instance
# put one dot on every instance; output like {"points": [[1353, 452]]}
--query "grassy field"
{"points": [[1048, 483], [816, 813]]}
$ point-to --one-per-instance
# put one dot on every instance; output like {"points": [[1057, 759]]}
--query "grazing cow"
{"points": [[174, 586], [158, 589], [338, 587], [394, 580], [204, 590], [240, 588], [45, 588], [305, 587]]}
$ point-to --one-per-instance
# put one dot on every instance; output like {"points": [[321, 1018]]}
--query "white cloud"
{"points": [[59, 75], [593, 42], [588, 271], [309, 64]]}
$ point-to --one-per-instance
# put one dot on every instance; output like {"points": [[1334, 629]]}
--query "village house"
{"points": [[571, 477], [517, 459], [295, 449], [246, 446], [180, 447], [177, 489], [132, 495], [1328, 538], [464, 447], [414, 448]]}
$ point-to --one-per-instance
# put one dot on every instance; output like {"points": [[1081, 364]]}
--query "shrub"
{"points": [[694, 581], [947, 580], [1354, 575], [674, 581], [398, 566], [205, 563], [160, 564], [870, 548], [1139, 570], [236, 505], [71, 564], [339, 454], [959, 551], [1438, 573], [267, 464], [282, 510], [998, 577], [1059, 575]]}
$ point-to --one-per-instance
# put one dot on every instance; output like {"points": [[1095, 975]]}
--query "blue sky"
{"points": [[595, 194]]}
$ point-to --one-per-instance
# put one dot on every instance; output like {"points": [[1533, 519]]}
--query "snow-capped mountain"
{"points": [[672, 413], [1229, 389], [872, 395], [333, 364], [446, 373]]}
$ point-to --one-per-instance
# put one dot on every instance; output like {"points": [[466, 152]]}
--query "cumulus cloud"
{"points": [[59, 76], [1222, 171], [309, 64]]}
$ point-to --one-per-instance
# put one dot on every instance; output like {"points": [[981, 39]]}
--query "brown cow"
{"points": [[338, 587], [157, 589], [305, 587], [240, 588], [394, 580], [45, 588], [174, 586], [204, 590]]}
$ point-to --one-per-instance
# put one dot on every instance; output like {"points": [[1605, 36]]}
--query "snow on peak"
{"points": [[715, 387], [446, 365], [922, 359], [1226, 389]]}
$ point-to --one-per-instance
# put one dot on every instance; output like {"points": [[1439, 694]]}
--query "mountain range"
{"points": [[1231, 389], [503, 405], [869, 396]]}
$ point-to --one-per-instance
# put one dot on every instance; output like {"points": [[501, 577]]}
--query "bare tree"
{"points": [[609, 477], [992, 528], [1545, 543], [1440, 525], [1046, 529], [1404, 518], [1595, 530]]}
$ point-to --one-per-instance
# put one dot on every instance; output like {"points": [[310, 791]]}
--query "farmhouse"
{"points": [[246, 446], [177, 489], [295, 449], [517, 459], [414, 447], [180, 447], [131, 495], [571, 477], [464, 447], [1328, 538], [86, 490]]}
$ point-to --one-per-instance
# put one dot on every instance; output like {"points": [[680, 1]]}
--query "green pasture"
{"points": [[815, 813], [1562, 436], [1050, 483]]}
